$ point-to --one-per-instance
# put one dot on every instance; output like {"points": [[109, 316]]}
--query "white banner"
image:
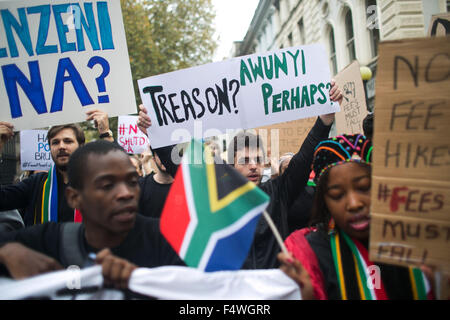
{"points": [[184, 283], [168, 282], [130, 137], [240, 93], [61, 58], [34, 150]]}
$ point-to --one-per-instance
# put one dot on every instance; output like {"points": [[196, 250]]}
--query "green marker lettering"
{"points": [[266, 92], [303, 63], [276, 102], [312, 91], [323, 99], [305, 96], [295, 98], [285, 104], [268, 69], [280, 65], [257, 69], [294, 57], [245, 73]]}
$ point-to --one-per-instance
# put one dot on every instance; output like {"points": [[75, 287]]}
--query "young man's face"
{"points": [[250, 162], [62, 145], [109, 197]]}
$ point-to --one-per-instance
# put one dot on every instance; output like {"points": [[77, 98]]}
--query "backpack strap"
{"points": [[70, 248], [300, 248]]}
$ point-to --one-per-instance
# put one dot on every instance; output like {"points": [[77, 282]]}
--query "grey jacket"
{"points": [[10, 220]]}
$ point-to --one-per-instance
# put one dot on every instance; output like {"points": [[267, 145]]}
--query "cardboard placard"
{"points": [[34, 150], [411, 157], [130, 137], [61, 58], [353, 107], [285, 137], [240, 93], [439, 25]]}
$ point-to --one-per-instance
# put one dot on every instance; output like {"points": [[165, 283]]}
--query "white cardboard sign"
{"points": [[130, 137], [61, 58], [240, 93], [34, 150]]}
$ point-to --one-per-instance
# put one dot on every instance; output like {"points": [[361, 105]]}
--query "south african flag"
{"points": [[211, 212]]}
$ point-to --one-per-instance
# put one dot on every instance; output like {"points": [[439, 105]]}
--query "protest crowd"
{"points": [[308, 219]]}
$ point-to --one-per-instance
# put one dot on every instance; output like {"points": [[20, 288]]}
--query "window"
{"points": [[350, 36], [333, 60], [276, 3], [277, 14], [373, 23], [290, 41], [301, 30]]}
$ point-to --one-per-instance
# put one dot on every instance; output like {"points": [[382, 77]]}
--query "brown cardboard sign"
{"points": [[353, 107], [439, 25], [411, 157], [287, 136]]}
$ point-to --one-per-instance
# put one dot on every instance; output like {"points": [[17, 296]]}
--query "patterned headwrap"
{"points": [[341, 149]]}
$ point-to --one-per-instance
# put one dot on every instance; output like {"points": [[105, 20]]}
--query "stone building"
{"points": [[349, 29]]}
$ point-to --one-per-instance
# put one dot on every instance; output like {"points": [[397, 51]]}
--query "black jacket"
{"points": [[144, 245], [26, 194], [153, 196], [282, 191]]}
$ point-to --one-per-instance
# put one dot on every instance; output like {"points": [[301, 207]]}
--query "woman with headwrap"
{"points": [[335, 251]]}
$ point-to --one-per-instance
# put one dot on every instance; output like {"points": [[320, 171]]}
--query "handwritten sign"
{"points": [[411, 171], [60, 58], [130, 137], [240, 93], [34, 150], [353, 107], [439, 25], [285, 137]]}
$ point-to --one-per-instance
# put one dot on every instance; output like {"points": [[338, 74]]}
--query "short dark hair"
{"points": [[243, 140], [78, 159], [79, 134], [368, 126]]}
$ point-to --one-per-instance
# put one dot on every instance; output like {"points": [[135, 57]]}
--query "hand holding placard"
{"points": [[144, 121], [240, 93]]}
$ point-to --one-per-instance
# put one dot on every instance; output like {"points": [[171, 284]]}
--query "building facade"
{"points": [[349, 29]]}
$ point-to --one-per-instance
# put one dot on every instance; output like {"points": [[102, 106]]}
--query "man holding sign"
{"points": [[42, 195], [282, 191]]}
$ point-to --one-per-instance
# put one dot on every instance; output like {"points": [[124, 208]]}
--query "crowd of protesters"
{"points": [[115, 200]]}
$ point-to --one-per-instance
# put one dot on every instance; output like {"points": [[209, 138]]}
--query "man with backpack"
{"points": [[103, 185]]}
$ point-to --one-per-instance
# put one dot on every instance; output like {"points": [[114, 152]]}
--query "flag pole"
{"points": [[275, 232]]}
